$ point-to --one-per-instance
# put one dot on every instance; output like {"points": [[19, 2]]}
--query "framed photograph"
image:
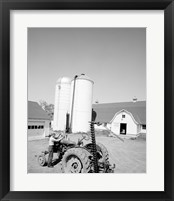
{"points": [[86, 88]]}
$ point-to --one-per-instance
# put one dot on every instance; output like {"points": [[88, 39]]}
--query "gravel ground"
{"points": [[128, 156]]}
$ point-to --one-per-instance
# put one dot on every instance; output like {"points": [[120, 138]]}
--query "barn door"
{"points": [[123, 129]]}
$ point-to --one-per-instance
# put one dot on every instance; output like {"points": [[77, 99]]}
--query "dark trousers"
{"points": [[50, 156]]}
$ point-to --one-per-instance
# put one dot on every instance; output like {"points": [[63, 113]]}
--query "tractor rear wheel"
{"points": [[102, 152], [76, 160]]}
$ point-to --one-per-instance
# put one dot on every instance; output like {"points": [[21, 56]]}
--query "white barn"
{"points": [[126, 118], [38, 121]]}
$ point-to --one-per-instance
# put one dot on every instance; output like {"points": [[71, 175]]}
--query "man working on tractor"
{"points": [[55, 137]]}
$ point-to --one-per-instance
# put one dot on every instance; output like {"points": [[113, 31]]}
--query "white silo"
{"points": [[62, 103], [81, 103]]}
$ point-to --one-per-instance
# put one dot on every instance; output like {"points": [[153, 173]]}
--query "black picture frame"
{"points": [[5, 7]]}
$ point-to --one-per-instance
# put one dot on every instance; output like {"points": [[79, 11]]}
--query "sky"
{"points": [[114, 58]]}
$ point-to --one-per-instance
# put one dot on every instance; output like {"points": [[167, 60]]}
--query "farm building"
{"points": [[125, 118], [38, 121]]}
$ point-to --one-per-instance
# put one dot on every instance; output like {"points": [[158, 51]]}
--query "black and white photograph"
{"points": [[86, 100], [86, 87]]}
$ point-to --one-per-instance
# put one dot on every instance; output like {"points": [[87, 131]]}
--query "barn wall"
{"points": [[131, 125], [142, 130], [47, 128], [139, 128], [38, 128]]}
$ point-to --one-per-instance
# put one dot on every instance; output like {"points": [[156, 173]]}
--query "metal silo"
{"points": [[81, 103], [62, 103]]}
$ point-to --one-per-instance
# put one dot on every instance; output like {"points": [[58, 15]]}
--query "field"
{"points": [[128, 156]]}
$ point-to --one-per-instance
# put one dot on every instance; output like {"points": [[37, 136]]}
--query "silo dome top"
{"points": [[64, 80], [84, 77]]}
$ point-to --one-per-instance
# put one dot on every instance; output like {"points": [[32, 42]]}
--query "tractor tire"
{"points": [[76, 160], [101, 150], [42, 160]]}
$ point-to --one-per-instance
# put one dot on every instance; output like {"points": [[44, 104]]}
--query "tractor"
{"points": [[78, 158]]}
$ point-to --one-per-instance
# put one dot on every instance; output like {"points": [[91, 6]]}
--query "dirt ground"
{"points": [[128, 156]]}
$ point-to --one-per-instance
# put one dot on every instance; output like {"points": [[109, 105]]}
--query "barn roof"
{"points": [[35, 111], [106, 111]]}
